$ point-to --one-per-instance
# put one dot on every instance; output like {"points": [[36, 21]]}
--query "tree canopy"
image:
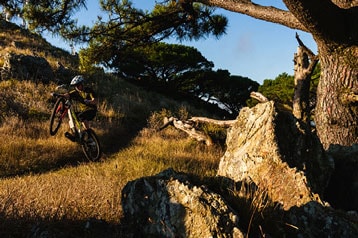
{"points": [[54, 16], [127, 29]]}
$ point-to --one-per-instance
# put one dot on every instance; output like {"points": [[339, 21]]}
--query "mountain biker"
{"points": [[87, 102]]}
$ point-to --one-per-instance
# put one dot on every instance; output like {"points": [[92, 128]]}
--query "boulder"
{"points": [[267, 147], [26, 67], [315, 220], [169, 205]]}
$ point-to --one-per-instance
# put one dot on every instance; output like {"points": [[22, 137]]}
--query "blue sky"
{"points": [[251, 48]]}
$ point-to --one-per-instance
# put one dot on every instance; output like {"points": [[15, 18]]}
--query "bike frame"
{"points": [[75, 124]]}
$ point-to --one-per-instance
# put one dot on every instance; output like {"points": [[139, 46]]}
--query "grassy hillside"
{"points": [[47, 188], [14, 39]]}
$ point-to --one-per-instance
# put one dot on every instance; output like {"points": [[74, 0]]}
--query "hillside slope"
{"points": [[124, 109], [14, 39], [46, 184]]}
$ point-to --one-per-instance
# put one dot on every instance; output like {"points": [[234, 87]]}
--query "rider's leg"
{"points": [[86, 117]]}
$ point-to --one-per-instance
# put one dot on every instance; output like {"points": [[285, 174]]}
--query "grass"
{"points": [[48, 188], [46, 183], [92, 191], [24, 42]]}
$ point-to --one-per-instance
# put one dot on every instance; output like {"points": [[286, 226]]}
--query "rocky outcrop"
{"points": [[26, 67], [315, 220], [266, 147], [267, 155], [169, 205]]}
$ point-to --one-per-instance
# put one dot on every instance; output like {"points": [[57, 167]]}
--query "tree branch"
{"points": [[325, 19], [313, 58], [266, 13], [188, 128], [258, 96], [226, 123]]}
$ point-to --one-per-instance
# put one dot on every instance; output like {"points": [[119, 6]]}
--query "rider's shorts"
{"points": [[87, 115]]}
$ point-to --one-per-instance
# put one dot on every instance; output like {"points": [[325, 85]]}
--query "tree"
{"points": [[127, 26], [220, 87], [280, 89], [159, 61], [54, 16], [127, 29], [332, 24]]}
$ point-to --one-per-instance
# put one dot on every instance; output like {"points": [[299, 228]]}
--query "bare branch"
{"points": [[225, 123], [258, 96], [306, 49], [266, 13], [188, 128]]}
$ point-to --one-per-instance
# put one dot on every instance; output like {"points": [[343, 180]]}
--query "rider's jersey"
{"points": [[80, 96]]}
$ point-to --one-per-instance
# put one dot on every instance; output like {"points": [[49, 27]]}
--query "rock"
{"points": [[169, 205], [26, 67], [315, 220], [266, 147]]}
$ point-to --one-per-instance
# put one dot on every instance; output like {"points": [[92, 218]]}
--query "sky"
{"points": [[250, 48]]}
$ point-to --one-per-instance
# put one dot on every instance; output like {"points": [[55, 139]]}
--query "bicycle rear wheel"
{"points": [[56, 116], [90, 145]]}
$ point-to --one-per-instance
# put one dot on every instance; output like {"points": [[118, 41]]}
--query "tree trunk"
{"points": [[337, 105]]}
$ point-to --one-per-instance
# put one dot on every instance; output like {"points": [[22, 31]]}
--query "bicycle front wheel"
{"points": [[90, 146], [57, 116]]}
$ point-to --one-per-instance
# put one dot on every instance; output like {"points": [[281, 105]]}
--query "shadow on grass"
{"points": [[23, 227], [112, 141]]}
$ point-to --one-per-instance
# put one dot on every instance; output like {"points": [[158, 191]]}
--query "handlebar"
{"points": [[84, 101], [67, 103]]}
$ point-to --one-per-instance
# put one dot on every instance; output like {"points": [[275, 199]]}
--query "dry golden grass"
{"points": [[14, 39], [93, 190], [46, 180], [47, 187]]}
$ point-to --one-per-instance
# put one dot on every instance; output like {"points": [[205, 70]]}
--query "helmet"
{"points": [[77, 80]]}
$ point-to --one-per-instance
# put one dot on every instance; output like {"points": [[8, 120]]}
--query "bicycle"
{"points": [[86, 138]]}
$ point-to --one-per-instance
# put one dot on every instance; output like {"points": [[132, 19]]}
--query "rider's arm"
{"points": [[92, 101], [66, 95]]}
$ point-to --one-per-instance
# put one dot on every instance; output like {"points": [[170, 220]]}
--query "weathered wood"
{"points": [[223, 123], [304, 64], [187, 127], [258, 96]]}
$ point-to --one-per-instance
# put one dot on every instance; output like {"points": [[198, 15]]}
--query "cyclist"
{"points": [[87, 102]]}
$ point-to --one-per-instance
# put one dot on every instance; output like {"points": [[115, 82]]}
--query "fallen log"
{"points": [[223, 123], [187, 127]]}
